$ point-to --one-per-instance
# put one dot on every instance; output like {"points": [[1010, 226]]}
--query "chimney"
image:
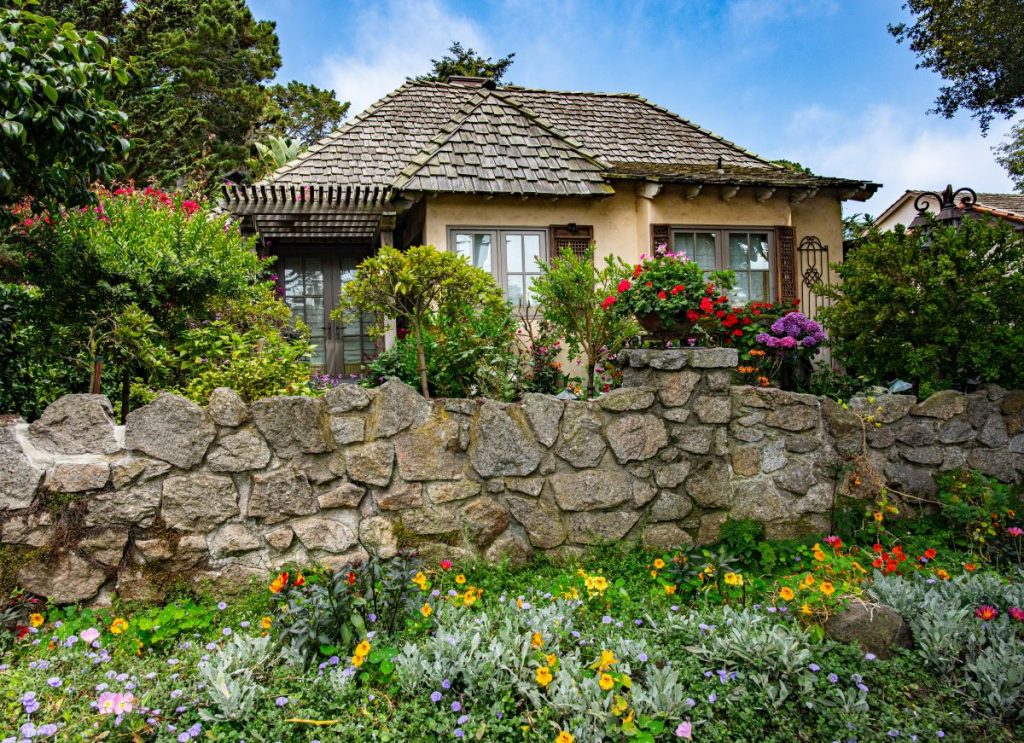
{"points": [[471, 82]]}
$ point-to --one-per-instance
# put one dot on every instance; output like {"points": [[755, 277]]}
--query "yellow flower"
{"points": [[827, 588], [786, 594], [654, 573], [818, 554], [357, 660], [564, 737], [806, 609], [733, 579], [879, 516], [607, 660], [606, 681], [670, 590], [550, 659], [266, 622], [426, 611], [471, 595], [808, 581], [537, 640], [460, 579], [543, 675], [363, 648], [420, 580], [659, 563], [119, 625], [36, 620]]}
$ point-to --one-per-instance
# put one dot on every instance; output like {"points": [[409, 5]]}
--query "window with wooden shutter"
{"points": [[785, 249], [571, 237]]}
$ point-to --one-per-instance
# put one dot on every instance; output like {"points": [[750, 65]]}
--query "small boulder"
{"points": [[877, 628], [19, 478], [64, 580]]}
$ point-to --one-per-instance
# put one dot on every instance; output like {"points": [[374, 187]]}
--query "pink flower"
{"points": [[1015, 531], [685, 730], [189, 207], [1016, 613], [89, 635], [107, 701], [124, 703]]}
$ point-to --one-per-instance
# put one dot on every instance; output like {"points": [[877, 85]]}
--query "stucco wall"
{"points": [[230, 491], [622, 222]]}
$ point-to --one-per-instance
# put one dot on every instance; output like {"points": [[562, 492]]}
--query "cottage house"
{"points": [[507, 176]]}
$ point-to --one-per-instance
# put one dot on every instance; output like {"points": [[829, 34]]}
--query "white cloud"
{"points": [[900, 149], [395, 40]]}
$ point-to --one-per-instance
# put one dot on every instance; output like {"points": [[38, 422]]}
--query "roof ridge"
{"points": [[435, 143], [345, 128]]}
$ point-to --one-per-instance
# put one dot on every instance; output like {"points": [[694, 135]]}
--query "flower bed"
{"points": [[702, 646]]}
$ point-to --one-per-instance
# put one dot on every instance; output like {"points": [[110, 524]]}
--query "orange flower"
{"points": [[970, 567], [279, 583], [827, 588], [300, 580], [786, 594], [537, 640], [670, 590], [426, 611], [265, 622]]}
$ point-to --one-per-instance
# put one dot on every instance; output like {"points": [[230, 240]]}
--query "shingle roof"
{"points": [[1005, 202], [494, 146], [428, 136]]}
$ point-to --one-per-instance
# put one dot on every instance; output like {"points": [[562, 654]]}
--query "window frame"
{"points": [[722, 233], [499, 258]]}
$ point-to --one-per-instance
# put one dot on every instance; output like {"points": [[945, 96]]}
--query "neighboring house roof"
{"points": [[1006, 206], [447, 137]]}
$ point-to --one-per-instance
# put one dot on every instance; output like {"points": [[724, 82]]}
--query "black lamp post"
{"points": [[951, 210]]}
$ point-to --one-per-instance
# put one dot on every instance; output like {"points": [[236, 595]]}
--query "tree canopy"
{"points": [[60, 129], [200, 95], [465, 61], [977, 46]]}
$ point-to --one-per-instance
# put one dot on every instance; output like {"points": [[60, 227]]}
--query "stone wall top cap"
{"points": [[672, 359]]}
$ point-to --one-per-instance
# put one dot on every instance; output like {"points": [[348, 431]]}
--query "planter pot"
{"points": [[665, 330]]}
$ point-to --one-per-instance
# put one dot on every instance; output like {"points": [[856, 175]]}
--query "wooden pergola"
{"points": [[314, 214]]}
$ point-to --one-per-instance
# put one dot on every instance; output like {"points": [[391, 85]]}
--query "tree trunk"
{"points": [[421, 358], [591, 386], [126, 388]]}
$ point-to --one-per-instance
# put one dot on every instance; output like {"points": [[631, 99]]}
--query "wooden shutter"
{"points": [[785, 256], [571, 237], [660, 234]]}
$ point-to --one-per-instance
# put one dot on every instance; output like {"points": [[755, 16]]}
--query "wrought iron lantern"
{"points": [[952, 205]]}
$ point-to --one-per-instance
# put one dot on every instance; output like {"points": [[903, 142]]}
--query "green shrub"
{"points": [[432, 290], [985, 512], [936, 307], [167, 293]]}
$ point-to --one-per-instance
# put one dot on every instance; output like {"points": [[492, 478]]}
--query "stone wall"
{"points": [[234, 490]]}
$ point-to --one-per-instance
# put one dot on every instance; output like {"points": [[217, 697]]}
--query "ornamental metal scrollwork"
{"points": [[815, 271]]}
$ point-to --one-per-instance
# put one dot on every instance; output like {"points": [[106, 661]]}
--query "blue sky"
{"points": [[817, 81]]}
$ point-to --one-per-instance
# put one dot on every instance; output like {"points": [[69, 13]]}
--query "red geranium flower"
{"points": [[705, 304], [930, 553], [692, 315], [662, 295], [608, 302], [624, 286]]}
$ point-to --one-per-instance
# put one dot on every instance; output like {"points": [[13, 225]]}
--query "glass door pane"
{"points": [[304, 295], [523, 253]]}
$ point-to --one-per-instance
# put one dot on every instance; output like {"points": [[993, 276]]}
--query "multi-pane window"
{"points": [[745, 251], [512, 256]]}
